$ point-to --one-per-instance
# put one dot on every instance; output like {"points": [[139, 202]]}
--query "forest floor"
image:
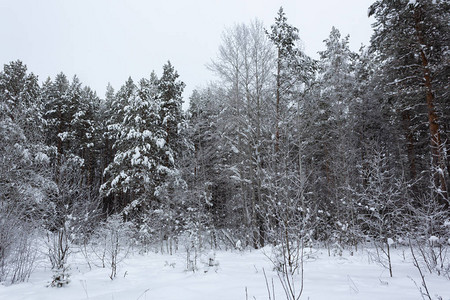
{"points": [[236, 275]]}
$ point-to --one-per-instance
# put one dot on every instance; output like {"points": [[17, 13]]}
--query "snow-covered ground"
{"points": [[157, 276]]}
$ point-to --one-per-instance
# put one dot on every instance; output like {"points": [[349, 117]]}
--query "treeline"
{"points": [[283, 148]]}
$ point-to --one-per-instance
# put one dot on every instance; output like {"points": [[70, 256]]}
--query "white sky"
{"points": [[109, 40]]}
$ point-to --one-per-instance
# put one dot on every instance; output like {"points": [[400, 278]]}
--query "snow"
{"points": [[135, 159], [63, 136], [162, 277], [433, 239], [42, 158], [160, 143]]}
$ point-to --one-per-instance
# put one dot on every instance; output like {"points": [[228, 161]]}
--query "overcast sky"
{"points": [[108, 40]]}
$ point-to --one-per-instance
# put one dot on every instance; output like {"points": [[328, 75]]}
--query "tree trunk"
{"points": [[435, 137]]}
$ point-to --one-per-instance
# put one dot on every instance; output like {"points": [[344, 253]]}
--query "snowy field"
{"points": [[157, 276]]}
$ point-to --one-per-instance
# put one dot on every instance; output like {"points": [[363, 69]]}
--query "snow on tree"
{"points": [[25, 184], [332, 147], [411, 39], [244, 65], [56, 105], [135, 133], [147, 130]]}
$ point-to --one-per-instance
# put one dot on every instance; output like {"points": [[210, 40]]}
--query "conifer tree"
{"points": [[412, 38], [284, 36], [26, 187], [56, 105], [335, 150], [171, 116], [286, 175]]}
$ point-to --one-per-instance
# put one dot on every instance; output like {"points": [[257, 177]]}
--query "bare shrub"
{"points": [[17, 246], [432, 235], [58, 252], [112, 242]]}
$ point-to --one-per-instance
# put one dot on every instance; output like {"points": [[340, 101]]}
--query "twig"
{"points": [[416, 264], [267, 285], [84, 285], [142, 294]]}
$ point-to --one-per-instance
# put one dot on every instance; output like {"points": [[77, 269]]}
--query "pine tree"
{"points": [[335, 150], [286, 175], [171, 116], [411, 39], [145, 129], [24, 156], [106, 152], [284, 37], [55, 101], [115, 198], [25, 184], [174, 147]]}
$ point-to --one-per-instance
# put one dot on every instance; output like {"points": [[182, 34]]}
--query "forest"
{"points": [[340, 152]]}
